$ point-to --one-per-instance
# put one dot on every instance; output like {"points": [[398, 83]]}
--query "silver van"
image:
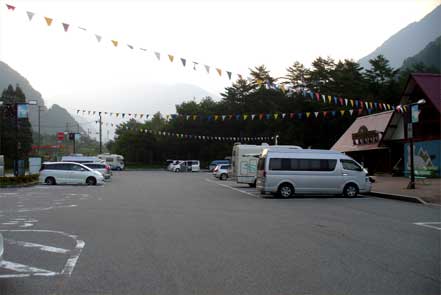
{"points": [[288, 172]]}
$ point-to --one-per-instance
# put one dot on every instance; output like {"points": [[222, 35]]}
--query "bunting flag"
{"points": [[115, 43], [219, 71], [207, 68], [130, 46], [48, 20], [10, 7], [171, 57], [184, 61], [229, 75], [98, 38], [65, 26], [158, 55], [30, 15]]}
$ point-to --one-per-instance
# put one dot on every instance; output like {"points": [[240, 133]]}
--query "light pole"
{"points": [[413, 119]]}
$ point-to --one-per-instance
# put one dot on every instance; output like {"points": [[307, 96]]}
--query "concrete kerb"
{"points": [[411, 199]]}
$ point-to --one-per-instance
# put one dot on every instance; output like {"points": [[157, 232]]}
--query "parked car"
{"points": [[116, 162], [186, 166], [1, 247], [214, 163], [289, 171], [69, 173], [222, 171], [173, 164], [103, 168]]}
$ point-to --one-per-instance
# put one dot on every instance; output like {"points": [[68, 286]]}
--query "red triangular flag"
{"points": [[10, 7]]}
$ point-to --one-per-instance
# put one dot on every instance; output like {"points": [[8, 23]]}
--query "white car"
{"points": [[187, 166], [1, 247], [102, 168], [69, 173], [221, 171]]}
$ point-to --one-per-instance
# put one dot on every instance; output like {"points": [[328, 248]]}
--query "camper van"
{"points": [[79, 158], [244, 161], [116, 162], [288, 172]]}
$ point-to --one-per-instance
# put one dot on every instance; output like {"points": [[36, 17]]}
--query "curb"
{"points": [[398, 197], [20, 185]]}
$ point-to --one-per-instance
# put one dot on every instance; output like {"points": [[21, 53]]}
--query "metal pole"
{"points": [[16, 141], [39, 139], [74, 144], [101, 134], [276, 139], [411, 184]]}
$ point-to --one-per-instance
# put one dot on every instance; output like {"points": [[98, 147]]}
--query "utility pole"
{"points": [[101, 135]]}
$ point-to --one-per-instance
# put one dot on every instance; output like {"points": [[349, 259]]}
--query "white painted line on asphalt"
{"points": [[23, 268], [26, 224], [433, 225], [38, 246], [70, 263], [45, 208], [233, 188]]}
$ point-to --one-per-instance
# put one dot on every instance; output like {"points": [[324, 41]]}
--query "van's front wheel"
{"points": [[286, 190], [350, 191]]}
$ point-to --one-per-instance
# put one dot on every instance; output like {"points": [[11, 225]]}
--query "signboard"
{"points": [[34, 165], [77, 136], [22, 111], [409, 130], [365, 136], [415, 113], [60, 135]]}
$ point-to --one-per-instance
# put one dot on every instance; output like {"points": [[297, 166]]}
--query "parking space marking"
{"points": [[433, 225], [17, 267], [233, 188], [38, 246], [28, 271]]}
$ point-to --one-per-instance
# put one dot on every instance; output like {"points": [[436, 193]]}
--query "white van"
{"points": [[116, 162], [186, 166], [244, 161], [289, 172]]}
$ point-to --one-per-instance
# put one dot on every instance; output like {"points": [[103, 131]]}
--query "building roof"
{"points": [[377, 122], [430, 84]]}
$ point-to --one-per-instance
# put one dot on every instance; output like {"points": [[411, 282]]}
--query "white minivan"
{"points": [[289, 172], [69, 173]]}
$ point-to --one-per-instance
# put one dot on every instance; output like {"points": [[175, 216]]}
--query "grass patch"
{"points": [[19, 180]]}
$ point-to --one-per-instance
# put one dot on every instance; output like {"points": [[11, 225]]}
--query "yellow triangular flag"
{"points": [[171, 57], [215, 117], [194, 117], [329, 98], [245, 117], [308, 114], [115, 43], [342, 112], [276, 116], [48, 20], [371, 105], [352, 102], [219, 71]]}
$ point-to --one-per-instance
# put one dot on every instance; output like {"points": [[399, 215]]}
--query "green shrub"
{"points": [[6, 180]]}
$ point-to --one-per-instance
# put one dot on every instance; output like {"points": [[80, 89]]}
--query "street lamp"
{"points": [[413, 119]]}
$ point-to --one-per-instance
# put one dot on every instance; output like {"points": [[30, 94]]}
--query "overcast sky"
{"points": [[75, 71]]}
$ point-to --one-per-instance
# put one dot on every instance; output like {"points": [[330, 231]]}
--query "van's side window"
{"points": [[350, 165], [302, 164]]}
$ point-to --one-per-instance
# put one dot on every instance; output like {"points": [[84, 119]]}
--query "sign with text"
{"points": [[60, 135]]}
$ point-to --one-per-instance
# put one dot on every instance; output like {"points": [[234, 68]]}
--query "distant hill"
{"points": [[408, 41], [429, 56], [52, 120]]}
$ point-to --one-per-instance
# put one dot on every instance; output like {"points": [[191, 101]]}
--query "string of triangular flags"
{"points": [[194, 137], [244, 117], [330, 99], [67, 27]]}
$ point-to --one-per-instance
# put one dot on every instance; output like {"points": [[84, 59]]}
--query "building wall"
{"points": [[427, 157]]}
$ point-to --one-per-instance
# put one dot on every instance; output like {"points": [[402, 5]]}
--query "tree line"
{"points": [[249, 95]]}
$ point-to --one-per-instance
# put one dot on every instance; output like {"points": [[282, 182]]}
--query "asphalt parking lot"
{"points": [[156, 232]]}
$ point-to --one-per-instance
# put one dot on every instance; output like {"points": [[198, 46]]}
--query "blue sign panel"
{"points": [[22, 111]]}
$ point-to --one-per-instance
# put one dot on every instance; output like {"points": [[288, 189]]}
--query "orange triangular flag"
{"points": [[48, 20], [219, 71], [342, 112], [115, 43]]}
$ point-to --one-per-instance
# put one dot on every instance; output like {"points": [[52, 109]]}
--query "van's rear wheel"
{"points": [[252, 184], [350, 191], [286, 190]]}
